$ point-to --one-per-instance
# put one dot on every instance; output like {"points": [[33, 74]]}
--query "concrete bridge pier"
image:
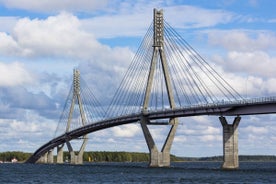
{"points": [[159, 159], [47, 158], [60, 154], [72, 157], [50, 157], [72, 153], [43, 159], [230, 143], [77, 158]]}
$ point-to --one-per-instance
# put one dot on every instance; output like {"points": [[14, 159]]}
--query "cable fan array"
{"points": [[193, 80], [92, 108]]}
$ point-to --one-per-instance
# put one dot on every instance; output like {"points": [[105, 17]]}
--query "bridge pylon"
{"points": [[230, 143], [162, 158], [75, 158]]}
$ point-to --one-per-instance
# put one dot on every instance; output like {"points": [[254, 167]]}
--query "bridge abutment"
{"points": [[230, 143]]}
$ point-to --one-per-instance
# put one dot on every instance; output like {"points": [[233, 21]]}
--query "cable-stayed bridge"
{"points": [[166, 79]]}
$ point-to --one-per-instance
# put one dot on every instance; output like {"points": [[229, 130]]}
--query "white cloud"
{"points": [[180, 139], [127, 18], [20, 126], [270, 86], [210, 138], [199, 126], [248, 64], [250, 73], [14, 74], [196, 17], [117, 25], [55, 6], [256, 130], [135, 22], [7, 23], [256, 63], [8, 45], [60, 38], [55, 36], [242, 40], [16, 133], [201, 119], [211, 130], [126, 131]]}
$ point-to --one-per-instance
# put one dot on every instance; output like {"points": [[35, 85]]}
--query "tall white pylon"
{"points": [[159, 159], [76, 158]]}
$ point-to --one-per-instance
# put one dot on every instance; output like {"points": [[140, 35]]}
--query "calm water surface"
{"points": [[186, 172]]}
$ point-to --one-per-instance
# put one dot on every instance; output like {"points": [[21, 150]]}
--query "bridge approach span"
{"points": [[244, 107]]}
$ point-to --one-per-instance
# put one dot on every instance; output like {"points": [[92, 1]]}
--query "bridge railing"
{"points": [[261, 99], [249, 101]]}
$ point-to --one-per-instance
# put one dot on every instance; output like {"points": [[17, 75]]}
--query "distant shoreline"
{"points": [[107, 156], [242, 158]]}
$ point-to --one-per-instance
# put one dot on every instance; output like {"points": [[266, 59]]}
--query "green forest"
{"points": [[9, 155], [103, 156], [95, 156]]}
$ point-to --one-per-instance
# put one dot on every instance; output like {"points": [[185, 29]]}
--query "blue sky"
{"points": [[41, 42]]}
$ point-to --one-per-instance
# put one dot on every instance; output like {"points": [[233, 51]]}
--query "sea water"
{"points": [[182, 172]]}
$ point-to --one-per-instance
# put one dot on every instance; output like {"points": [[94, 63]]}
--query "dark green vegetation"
{"points": [[9, 155], [102, 156]]}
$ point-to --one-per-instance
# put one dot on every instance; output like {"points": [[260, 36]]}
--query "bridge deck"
{"points": [[243, 107]]}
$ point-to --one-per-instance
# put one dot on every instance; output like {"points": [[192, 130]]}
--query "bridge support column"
{"points": [[43, 159], [60, 154], [230, 143], [72, 157], [50, 157], [159, 159], [77, 158]]}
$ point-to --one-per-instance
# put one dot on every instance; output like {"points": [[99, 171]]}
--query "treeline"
{"points": [[102, 156], [261, 158], [115, 157], [95, 156], [9, 155]]}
